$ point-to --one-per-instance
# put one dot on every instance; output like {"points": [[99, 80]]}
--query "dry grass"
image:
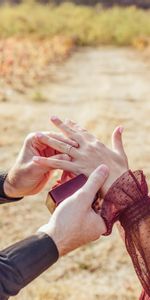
{"points": [[24, 63], [33, 36], [90, 26]]}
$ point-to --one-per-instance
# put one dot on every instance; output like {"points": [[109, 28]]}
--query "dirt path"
{"points": [[100, 88]]}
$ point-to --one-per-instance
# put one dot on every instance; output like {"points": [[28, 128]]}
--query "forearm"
{"points": [[24, 261]]}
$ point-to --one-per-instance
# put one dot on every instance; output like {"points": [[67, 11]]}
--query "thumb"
{"points": [[95, 182], [117, 143]]}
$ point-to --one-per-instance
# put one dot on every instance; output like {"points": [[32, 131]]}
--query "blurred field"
{"points": [[100, 88], [24, 63], [90, 26], [32, 36]]}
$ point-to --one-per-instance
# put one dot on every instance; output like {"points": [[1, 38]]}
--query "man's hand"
{"points": [[26, 177], [74, 222]]}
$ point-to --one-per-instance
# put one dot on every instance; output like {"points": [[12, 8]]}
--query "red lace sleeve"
{"points": [[144, 296], [128, 201]]}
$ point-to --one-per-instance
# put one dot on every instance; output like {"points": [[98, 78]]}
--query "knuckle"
{"points": [[56, 163], [79, 137], [62, 145], [30, 136], [98, 144], [88, 135], [89, 148]]}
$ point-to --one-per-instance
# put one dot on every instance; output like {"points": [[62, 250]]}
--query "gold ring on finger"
{"points": [[68, 150]]}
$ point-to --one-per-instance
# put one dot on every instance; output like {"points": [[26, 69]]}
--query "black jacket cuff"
{"points": [[24, 261], [3, 197]]}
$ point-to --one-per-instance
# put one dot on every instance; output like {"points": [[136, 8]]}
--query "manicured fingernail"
{"points": [[121, 129], [103, 169], [54, 118]]}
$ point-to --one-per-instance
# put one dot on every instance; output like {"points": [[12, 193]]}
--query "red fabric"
{"points": [[144, 296], [128, 201], [126, 191]]}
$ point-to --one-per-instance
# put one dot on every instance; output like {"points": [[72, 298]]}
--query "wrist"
{"points": [[9, 190], [112, 178], [57, 239]]}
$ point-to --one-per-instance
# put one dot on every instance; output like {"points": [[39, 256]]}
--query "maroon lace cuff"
{"points": [[126, 191], [128, 201], [144, 296], [135, 213], [135, 221]]}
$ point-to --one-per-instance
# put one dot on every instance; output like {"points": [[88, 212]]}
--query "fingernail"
{"points": [[103, 169], [54, 118], [121, 129]]}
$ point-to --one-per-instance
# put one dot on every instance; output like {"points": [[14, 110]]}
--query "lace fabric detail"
{"points": [[144, 296], [125, 191], [128, 201], [135, 213], [135, 221]]}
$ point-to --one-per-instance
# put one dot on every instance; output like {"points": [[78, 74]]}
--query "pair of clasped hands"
{"points": [[75, 151]]}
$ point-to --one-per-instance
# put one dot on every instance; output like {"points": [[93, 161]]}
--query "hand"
{"points": [[74, 222], [90, 152], [25, 177]]}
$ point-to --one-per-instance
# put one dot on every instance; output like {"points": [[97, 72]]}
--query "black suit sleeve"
{"points": [[24, 261], [3, 196]]}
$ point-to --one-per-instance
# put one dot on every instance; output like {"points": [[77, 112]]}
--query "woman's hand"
{"points": [[90, 152], [26, 177]]}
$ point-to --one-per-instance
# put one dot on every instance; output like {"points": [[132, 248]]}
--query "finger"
{"points": [[62, 138], [56, 163], [65, 157], [71, 123], [117, 143], [57, 145], [66, 129], [57, 136], [95, 182], [75, 126], [62, 126], [83, 131], [57, 156]]}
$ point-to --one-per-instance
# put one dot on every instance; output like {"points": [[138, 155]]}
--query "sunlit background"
{"points": [[89, 61]]}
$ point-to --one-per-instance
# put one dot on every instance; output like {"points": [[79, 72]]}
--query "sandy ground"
{"points": [[100, 88]]}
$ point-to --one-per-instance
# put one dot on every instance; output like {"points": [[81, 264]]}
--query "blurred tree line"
{"points": [[145, 4]]}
